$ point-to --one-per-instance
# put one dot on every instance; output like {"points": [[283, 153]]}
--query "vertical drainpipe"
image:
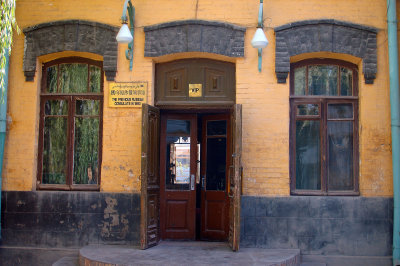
{"points": [[395, 123], [3, 125]]}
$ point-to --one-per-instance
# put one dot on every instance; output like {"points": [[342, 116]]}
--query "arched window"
{"points": [[71, 104], [324, 127]]}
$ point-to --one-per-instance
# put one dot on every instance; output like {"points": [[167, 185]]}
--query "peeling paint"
{"points": [[114, 225]]}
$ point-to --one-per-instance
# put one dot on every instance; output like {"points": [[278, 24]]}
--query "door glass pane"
{"points": [[216, 127], [52, 79], [86, 151], [346, 82], [56, 107], [323, 80], [340, 162], [87, 107], [95, 78], [178, 127], [54, 168], [216, 164], [178, 163], [73, 78], [307, 109], [300, 81], [338, 111], [308, 159]]}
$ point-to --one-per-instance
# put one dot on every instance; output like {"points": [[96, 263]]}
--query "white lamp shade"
{"points": [[259, 40], [124, 35]]}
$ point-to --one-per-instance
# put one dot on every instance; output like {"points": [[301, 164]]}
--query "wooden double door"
{"points": [[196, 194], [194, 162]]}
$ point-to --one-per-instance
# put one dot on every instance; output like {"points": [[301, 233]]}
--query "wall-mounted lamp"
{"points": [[125, 34], [259, 40]]}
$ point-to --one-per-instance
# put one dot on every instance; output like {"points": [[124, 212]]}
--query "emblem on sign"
{"points": [[195, 90]]}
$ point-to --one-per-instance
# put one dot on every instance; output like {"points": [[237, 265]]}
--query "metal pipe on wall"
{"points": [[395, 123], [3, 126]]}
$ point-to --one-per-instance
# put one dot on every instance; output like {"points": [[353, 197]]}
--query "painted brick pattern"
{"points": [[265, 102]]}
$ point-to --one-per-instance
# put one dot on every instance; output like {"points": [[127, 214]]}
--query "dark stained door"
{"points": [[235, 177], [150, 179], [214, 177], [178, 170]]}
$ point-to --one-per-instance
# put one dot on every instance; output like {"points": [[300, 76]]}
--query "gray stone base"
{"points": [[346, 260], [334, 226], [57, 219]]}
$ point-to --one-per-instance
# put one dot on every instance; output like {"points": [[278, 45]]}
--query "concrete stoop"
{"points": [[186, 253]]}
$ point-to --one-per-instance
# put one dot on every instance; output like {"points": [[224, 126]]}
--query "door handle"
{"points": [[192, 179]]}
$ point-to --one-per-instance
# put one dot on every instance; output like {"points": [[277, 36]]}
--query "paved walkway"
{"points": [[187, 253]]}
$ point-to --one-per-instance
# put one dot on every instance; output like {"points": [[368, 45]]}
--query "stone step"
{"points": [[67, 261], [186, 253]]}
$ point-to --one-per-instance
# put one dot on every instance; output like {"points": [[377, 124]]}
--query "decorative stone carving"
{"points": [[194, 36], [326, 35], [71, 35]]}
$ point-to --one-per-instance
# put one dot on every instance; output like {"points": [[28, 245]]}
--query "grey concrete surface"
{"points": [[189, 253]]}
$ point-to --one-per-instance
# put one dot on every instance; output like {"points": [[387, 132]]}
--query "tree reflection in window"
{"points": [[72, 102]]}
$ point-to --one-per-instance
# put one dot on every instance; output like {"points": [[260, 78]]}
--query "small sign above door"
{"points": [[127, 94], [195, 90]]}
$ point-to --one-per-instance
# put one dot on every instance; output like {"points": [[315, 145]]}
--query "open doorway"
{"points": [[191, 154], [194, 170]]}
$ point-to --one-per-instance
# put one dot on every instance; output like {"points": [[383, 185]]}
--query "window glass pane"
{"points": [[216, 164], [87, 107], [343, 110], [300, 81], [52, 79], [307, 109], [178, 127], [322, 80], [54, 168], [95, 78], [178, 163], [86, 151], [73, 78], [340, 163], [346, 82], [308, 159], [56, 107], [216, 128]]}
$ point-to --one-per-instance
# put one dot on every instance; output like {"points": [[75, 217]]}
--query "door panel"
{"points": [[178, 170], [215, 167], [150, 178], [235, 178]]}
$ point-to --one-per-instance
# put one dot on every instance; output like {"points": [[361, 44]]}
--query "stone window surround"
{"points": [[71, 35], [194, 36], [325, 35]]}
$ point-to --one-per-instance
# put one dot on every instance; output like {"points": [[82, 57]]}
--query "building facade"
{"points": [[195, 142]]}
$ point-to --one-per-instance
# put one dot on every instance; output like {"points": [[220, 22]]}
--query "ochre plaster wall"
{"points": [[265, 102]]}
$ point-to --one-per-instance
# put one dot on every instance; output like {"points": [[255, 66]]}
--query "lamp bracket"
{"points": [[131, 16]]}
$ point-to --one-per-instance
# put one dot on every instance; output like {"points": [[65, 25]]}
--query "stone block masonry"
{"points": [[69, 219], [338, 226]]}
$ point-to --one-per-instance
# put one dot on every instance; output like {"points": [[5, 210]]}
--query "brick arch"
{"points": [[325, 36], [194, 36], [71, 35]]}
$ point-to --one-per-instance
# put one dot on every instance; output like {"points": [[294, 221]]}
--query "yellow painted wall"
{"points": [[265, 102]]}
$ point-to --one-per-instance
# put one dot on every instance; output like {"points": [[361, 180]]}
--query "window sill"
{"points": [[68, 187]]}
